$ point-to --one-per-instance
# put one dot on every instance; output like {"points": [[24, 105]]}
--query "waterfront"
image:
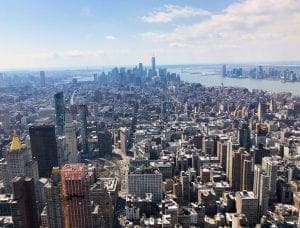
{"points": [[210, 76]]}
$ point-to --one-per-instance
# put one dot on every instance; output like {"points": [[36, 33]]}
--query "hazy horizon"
{"points": [[63, 34]]}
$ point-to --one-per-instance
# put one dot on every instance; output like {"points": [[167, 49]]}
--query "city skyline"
{"points": [[53, 34]]}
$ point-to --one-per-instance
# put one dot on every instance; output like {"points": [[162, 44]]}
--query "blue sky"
{"points": [[55, 33]]}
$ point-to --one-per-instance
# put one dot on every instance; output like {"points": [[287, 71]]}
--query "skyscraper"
{"points": [[44, 148], [59, 112], [19, 161], [261, 111], [76, 196], [104, 140], [16, 158], [261, 189], [54, 200], [83, 112], [43, 79], [244, 136], [153, 66], [224, 73], [70, 139], [270, 165], [23, 188]]}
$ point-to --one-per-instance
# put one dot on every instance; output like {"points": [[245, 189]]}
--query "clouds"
{"points": [[110, 37], [171, 12], [251, 30]]}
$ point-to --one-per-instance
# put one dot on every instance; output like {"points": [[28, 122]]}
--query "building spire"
{"points": [[16, 143]]}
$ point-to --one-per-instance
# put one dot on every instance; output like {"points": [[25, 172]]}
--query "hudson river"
{"points": [[210, 76]]}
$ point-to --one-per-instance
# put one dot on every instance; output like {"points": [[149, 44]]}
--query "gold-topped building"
{"points": [[19, 160], [16, 144]]}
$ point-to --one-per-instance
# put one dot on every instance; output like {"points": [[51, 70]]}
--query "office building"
{"points": [[76, 195], [153, 66], [261, 189], [244, 136], [246, 203], [43, 79], [241, 170], [70, 140], [144, 180], [44, 148], [104, 140], [261, 111], [19, 162], [270, 165], [24, 194], [102, 199], [54, 201], [59, 112], [83, 112], [224, 72], [124, 139]]}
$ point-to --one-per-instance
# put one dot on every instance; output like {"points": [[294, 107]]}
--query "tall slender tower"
{"points": [[59, 112], [261, 111], [76, 196], [70, 138], [224, 72], [43, 79], [153, 66], [83, 111], [261, 189]]}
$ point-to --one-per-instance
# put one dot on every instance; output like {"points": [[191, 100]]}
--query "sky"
{"points": [[85, 33]]}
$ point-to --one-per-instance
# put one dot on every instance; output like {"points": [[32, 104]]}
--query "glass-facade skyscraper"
{"points": [[59, 112]]}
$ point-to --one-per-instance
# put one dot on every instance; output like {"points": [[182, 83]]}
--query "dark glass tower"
{"points": [[244, 136], [104, 140], [44, 148], [59, 112]]}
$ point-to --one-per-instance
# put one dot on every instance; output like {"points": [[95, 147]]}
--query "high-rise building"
{"points": [[19, 161], [142, 181], [231, 147], [261, 189], [241, 170], [76, 196], [184, 179], [43, 79], [54, 201], [222, 148], [124, 137], [44, 148], [83, 112], [153, 66], [261, 110], [246, 203], [24, 194], [102, 199], [70, 139], [270, 165], [59, 112], [104, 140], [224, 72], [16, 158], [244, 136], [141, 70]]}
